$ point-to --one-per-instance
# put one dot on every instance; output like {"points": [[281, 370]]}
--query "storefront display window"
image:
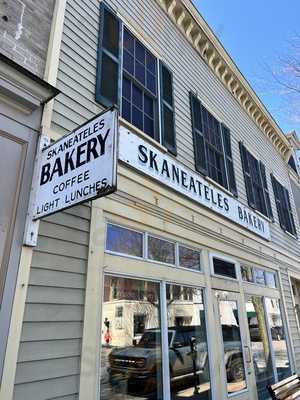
{"points": [[188, 352], [131, 343], [261, 353], [232, 346], [282, 363]]}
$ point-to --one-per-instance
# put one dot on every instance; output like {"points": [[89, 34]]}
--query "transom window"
{"points": [[120, 240], [258, 276]]}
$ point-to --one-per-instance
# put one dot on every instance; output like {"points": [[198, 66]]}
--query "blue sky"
{"points": [[255, 33]]}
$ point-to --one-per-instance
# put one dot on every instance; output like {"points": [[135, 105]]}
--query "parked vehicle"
{"points": [[139, 364]]}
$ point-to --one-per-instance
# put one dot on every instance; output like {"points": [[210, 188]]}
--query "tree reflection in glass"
{"points": [[262, 359]]}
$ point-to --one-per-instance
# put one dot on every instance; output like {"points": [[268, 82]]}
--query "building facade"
{"points": [[23, 94], [179, 284]]}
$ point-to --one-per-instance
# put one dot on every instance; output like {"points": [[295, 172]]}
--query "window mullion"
{"points": [[164, 342]]}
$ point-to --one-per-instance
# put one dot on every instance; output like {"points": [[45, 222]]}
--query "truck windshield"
{"points": [[151, 339]]}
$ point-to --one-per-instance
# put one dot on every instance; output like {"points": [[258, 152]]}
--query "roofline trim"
{"points": [[196, 30]]}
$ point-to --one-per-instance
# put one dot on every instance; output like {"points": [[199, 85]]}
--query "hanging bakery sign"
{"points": [[147, 159], [80, 166]]}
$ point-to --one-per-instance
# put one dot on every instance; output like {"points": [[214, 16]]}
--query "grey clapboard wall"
{"points": [[77, 76], [49, 354], [294, 332]]}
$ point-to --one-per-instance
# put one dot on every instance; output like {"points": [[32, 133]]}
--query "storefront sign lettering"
{"points": [[79, 167], [147, 159]]}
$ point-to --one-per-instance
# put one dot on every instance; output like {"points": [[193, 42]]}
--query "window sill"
{"points": [[218, 185], [142, 135], [290, 234], [261, 215]]}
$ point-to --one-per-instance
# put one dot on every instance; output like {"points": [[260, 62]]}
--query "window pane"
{"points": [[189, 258], [259, 276], [188, 353], [140, 72], [111, 33], [122, 240], [151, 82], [128, 62], [140, 52], [161, 250], [137, 97], [270, 279], [224, 268], [261, 354], [151, 63], [282, 363], [126, 89], [131, 340], [149, 126], [246, 272], [148, 106], [137, 117], [128, 42], [126, 110], [109, 79], [232, 345]]}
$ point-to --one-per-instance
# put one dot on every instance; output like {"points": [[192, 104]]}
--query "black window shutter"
{"points": [[278, 201], [229, 160], [247, 175], [167, 109], [108, 63], [290, 211], [263, 176], [198, 137]]}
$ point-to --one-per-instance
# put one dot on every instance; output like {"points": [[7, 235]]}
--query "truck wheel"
{"points": [[236, 370]]}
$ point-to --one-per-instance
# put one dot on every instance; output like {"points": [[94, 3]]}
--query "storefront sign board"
{"points": [[78, 167], [152, 162]]}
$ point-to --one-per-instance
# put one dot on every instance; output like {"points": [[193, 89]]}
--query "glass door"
{"points": [[233, 346], [268, 343]]}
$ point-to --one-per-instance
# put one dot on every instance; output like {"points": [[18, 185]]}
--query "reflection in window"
{"points": [[246, 272], [161, 250], [232, 345], [189, 258], [123, 240], [224, 268], [259, 276], [270, 279], [278, 338], [131, 340], [262, 359], [188, 353]]}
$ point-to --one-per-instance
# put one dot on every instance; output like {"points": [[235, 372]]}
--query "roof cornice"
{"points": [[201, 37]]}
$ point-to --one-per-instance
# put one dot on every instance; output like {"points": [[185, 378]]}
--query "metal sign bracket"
{"points": [[32, 227]]}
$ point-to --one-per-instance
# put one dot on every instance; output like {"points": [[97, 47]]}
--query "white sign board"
{"points": [[78, 167], [147, 159]]}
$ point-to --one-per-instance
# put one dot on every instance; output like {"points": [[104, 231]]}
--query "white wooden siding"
{"points": [[49, 355], [294, 332], [77, 76]]}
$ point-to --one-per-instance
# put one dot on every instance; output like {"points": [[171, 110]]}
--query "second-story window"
{"points": [[256, 183], [212, 146], [127, 76], [284, 208], [139, 89]]}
